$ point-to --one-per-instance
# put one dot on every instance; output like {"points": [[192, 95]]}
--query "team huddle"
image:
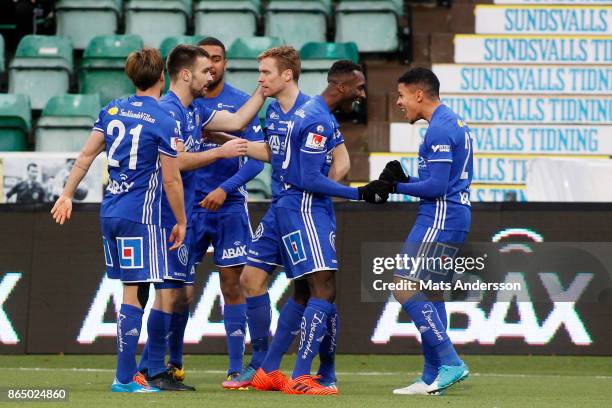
{"points": [[178, 167]]}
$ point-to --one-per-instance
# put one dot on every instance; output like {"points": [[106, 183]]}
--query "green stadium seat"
{"points": [[155, 20], [297, 22], [168, 45], [1, 54], [261, 186], [41, 68], [15, 122], [317, 58], [372, 25], [243, 69], [66, 122], [226, 20], [102, 67], [82, 20]]}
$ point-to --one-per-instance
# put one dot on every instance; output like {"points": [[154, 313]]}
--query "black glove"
{"points": [[375, 192], [394, 173]]}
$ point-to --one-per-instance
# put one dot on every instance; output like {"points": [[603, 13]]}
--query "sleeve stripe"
{"points": [[308, 151], [98, 129], [214, 112], [441, 160], [162, 151]]}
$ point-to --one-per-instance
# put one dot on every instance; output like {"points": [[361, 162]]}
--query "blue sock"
{"points": [[157, 328], [312, 332], [129, 323], [432, 361], [259, 317], [425, 317], [144, 358], [287, 328], [327, 352], [175, 340], [234, 319]]}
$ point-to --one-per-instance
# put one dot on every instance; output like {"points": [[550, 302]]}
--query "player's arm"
{"points": [[194, 160], [255, 150], [173, 187], [225, 121], [435, 186], [341, 163], [62, 209]]}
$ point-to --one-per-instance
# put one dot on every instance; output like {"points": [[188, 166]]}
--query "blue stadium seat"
{"points": [[41, 68], [82, 20], [155, 20], [226, 20]]}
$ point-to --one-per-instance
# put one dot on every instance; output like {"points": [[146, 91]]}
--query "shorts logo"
{"points": [[130, 252], [183, 255], [332, 240], [108, 258], [230, 253], [258, 232], [295, 247], [315, 141], [443, 253]]}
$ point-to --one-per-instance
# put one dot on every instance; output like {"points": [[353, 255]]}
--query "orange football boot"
{"points": [[307, 384]]}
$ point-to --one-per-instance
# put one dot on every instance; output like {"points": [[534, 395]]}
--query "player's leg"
{"points": [[178, 324], [327, 351], [125, 247], [422, 242]]}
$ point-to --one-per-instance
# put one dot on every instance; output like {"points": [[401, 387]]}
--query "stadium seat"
{"points": [[261, 186], [226, 20], [297, 22], [1, 54], [41, 68], [243, 69], [82, 20], [102, 67], [15, 122], [372, 25], [317, 58], [168, 45], [66, 122], [155, 20]]}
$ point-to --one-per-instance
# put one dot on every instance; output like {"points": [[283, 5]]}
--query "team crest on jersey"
{"points": [[113, 111], [295, 247], [197, 119], [315, 141], [130, 252], [183, 255], [320, 128]]}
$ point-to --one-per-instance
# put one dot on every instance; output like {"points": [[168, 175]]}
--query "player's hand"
{"points": [[375, 192], [62, 210], [233, 148], [394, 173], [177, 236], [214, 200]]}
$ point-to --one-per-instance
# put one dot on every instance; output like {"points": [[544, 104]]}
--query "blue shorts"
{"points": [[308, 241], [133, 252], [432, 250], [228, 232], [265, 250], [178, 260]]}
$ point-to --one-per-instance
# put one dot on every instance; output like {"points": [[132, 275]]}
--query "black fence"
{"points": [[54, 296]]}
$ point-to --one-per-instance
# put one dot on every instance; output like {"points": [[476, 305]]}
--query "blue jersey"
{"points": [[190, 121], [275, 129], [136, 131], [214, 175], [448, 139], [313, 130]]}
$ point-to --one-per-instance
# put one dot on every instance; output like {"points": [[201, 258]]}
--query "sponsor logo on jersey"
{"points": [[130, 252], [274, 115], [460, 123], [116, 187], [315, 141], [136, 103], [271, 126], [275, 144], [230, 253], [295, 246], [301, 113], [441, 148], [113, 111], [183, 255], [257, 128]]}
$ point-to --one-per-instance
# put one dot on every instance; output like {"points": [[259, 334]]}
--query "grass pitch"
{"points": [[364, 381]]}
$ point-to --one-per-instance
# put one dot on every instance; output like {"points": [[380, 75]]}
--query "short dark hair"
{"points": [[144, 67], [32, 165], [423, 77], [342, 68], [183, 56], [213, 42]]}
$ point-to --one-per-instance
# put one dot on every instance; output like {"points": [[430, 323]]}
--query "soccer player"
{"points": [[189, 69], [220, 212], [304, 212], [443, 221], [139, 139]]}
